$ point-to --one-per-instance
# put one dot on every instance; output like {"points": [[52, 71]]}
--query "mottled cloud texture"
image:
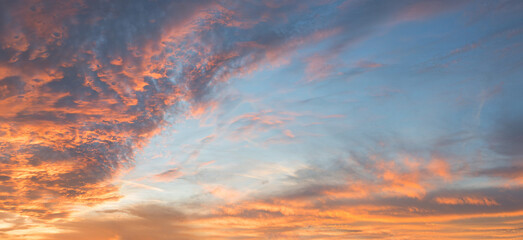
{"points": [[84, 85]]}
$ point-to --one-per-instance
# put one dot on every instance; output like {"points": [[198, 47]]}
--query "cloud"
{"points": [[250, 125], [288, 133], [316, 217], [511, 172], [467, 200], [320, 68], [83, 84], [145, 221], [507, 137], [368, 64], [80, 90], [375, 196], [168, 175]]}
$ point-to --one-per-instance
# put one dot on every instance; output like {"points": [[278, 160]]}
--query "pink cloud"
{"points": [[368, 64], [168, 175]]}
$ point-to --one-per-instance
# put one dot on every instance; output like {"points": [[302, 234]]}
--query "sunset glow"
{"points": [[261, 119]]}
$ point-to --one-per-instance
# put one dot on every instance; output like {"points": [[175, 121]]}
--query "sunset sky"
{"points": [[261, 119]]}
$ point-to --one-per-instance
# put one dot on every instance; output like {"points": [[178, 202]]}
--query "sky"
{"points": [[261, 119]]}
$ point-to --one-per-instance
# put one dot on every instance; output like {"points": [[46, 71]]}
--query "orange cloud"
{"points": [[467, 200], [288, 133], [81, 90], [84, 97]]}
